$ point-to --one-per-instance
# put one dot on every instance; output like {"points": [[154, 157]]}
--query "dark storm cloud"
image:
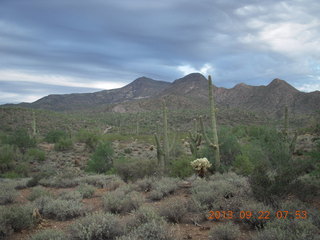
{"points": [[95, 44]]}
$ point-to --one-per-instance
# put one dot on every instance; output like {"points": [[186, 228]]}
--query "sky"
{"points": [[72, 46]]}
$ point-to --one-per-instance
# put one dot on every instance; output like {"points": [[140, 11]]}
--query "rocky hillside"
{"points": [[189, 92]]}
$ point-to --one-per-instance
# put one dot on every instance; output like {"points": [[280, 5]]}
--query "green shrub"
{"points": [[119, 201], [97, 226], [91, 139], [49, 234], [174, 209], [22, 139], [132, 169], [7, 157], [16, 218], [38, 192], [55, 135], [225, 231], [63, 144], [35, 154], [229, 147], [86, 190], [243, 165], [102, 159], [127, 150], [226, 191], [181, 167], [7, 193]]}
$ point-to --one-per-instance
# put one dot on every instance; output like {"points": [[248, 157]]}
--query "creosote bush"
{"points": [[225, 231], [96, 226], [7, 157]]}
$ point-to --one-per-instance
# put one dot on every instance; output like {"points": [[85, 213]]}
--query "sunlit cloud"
{"points": [[205, 70]]}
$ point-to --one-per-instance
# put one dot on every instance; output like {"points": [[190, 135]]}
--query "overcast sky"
{"points": [[65, 46]]}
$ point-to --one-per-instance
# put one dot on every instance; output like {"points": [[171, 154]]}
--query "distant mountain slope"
{"points": [[140, 88], [189, 92]]}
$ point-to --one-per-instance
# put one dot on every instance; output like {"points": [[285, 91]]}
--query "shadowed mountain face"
{"points": [[189, 92]]}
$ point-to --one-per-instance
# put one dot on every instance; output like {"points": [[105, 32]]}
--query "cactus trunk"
{"points": [[212, 143]]}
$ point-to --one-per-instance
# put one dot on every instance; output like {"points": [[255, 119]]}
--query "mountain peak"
{"points": [[279, 83]]}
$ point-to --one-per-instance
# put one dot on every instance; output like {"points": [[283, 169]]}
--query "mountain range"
{"points": [[188, 92]]}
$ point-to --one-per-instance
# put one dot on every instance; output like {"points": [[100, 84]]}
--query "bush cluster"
{"points": [[96, 226], [174, 209], [225, 231], [8, 193], [122, 200], [133, 169], [15, 219], [49, 234], [86, 190], [162, 188]]}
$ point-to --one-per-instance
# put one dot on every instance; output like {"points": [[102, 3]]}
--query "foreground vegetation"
{"points": [[94, 181]]}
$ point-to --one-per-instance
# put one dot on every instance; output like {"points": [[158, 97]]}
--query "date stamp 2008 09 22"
{"points": [[281, 214]]}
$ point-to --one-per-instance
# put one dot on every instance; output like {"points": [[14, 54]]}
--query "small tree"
{"points": [[102, 159]]}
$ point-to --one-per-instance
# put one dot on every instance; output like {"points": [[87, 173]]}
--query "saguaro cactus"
{"points": [[34, 126], [290, 142], [163, 150], [195, 140], [212, 143]]}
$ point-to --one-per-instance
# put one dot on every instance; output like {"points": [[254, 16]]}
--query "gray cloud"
{"points": [[117, 41]]}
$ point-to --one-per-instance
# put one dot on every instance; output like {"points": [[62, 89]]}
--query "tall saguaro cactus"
{"points": [[195, 140], [163, 150], [212, 143], [34, 126], [290, 142]]}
